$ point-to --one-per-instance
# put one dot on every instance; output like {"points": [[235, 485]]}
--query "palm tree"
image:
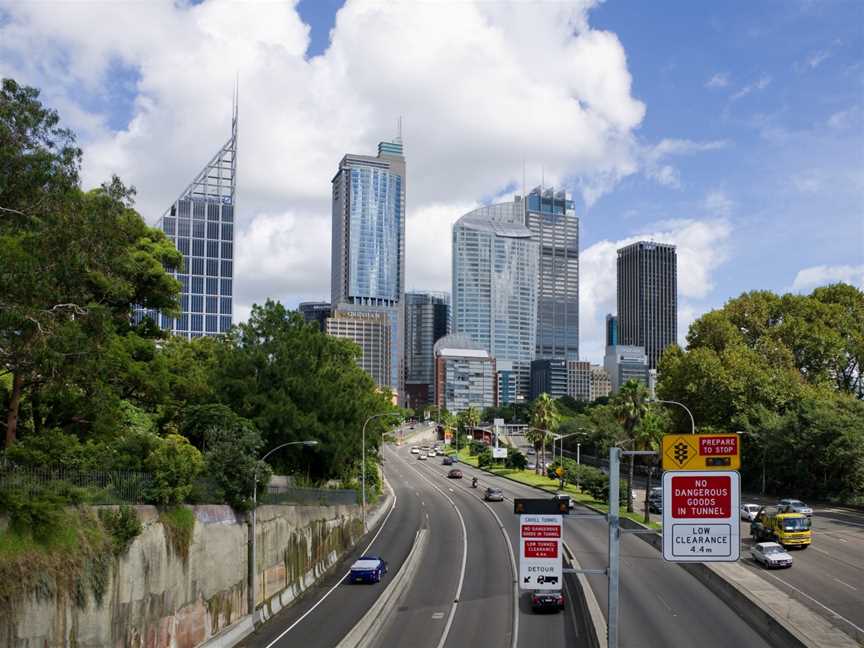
{"points": [[536, 437], [630, 407], [652, 427], [545, 416], [448, 422]]}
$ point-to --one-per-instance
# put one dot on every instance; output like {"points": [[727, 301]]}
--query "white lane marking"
{"points": [[664, 602], [464, 557], [339, 582], [438, 615], [846, 584], [836, 615]]}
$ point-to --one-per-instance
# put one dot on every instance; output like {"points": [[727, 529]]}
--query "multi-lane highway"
{"points": [[463, 592]]}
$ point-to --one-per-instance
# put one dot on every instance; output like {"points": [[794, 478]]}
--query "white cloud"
{"points": [[815, 276], [702, 246], [653, 158], [718, 80], [760, 84], [809, 181], [477, 95], [718, 203]]}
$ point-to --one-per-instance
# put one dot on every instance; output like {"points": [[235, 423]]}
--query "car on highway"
{"points": [[531, 451], [430, 454], [749, 512], [455, 474], [564, 496], [422, 456], [493, 495], [368, 569], [655, 500], [415, 450], [771, 555], [447, 461], [547, 601], [794, 506]]}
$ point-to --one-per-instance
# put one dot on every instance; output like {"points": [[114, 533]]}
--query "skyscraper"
{"points": [[553, 223], [201, 225], [427, 319], [495, 265], [317, 312], [611, 330], [371, 332], [648, 298], [368, 250]]}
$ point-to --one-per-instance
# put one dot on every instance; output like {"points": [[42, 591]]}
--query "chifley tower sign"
{"points": [[700, 516]]}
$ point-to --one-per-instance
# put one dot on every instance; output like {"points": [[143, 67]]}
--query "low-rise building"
{"points": [[579, 380], [465, 375], [548, 377], [601, 386]]}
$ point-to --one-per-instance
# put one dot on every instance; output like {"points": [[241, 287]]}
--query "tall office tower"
{"points": [[648, 297], [201, 224], [316, 312], [427, 319], [495, 265], [611, 330], [553, 223], [368, 250], [371, 332]]}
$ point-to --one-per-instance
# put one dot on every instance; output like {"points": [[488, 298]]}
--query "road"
{"points": [[661, 604]]}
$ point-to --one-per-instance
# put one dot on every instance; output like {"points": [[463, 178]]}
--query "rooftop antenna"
{"points": [[236, 102], [399, 130], [523, 177]]}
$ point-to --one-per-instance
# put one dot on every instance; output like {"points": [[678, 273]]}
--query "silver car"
{"points": [[749, 512], [771, 555], [794, 506]]}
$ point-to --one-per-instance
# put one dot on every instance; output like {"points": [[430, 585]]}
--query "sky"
{"points": [[734, 130]]}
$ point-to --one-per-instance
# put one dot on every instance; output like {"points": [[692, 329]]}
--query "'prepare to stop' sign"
{"points": [[712, 446], [701, 496]]}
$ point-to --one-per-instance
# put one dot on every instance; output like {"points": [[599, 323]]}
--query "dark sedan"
{"points": [[547, 601], [448, 461], [368, 569], [455, 474]]}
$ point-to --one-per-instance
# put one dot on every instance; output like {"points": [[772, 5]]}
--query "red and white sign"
{"points": [[540, 552], [700, 516], [718, 446]]}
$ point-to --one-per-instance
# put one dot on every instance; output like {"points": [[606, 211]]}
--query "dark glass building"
{"points": [[316, 312], [549, 377], [201, 225], [427, 319], [648, 297]]}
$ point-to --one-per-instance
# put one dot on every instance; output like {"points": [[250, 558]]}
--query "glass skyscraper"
{"points": [[201, 225], [495, 266], [368, 249], [427, 319], [553, 223]]}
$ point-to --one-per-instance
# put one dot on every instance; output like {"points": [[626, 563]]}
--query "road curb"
{"points": [[772, 621], [590, 608], [366, 630]]}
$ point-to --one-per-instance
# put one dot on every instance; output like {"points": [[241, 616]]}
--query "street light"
{"points": [[692, 422], [560, 439], [363, 464], [253, 575]]}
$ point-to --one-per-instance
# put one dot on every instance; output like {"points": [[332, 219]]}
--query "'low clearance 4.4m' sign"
{"points": [[701, 452], [700, 516]]}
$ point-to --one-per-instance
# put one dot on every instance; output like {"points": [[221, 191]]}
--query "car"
{"points": [[655, 500], [447, 461], [794, 506], [368, 569], [547, 601], [749, 511], [530, 451], [422, 457], [455, 474], [493, 495], [415, 450], [430, 454], [564, 496], [770, 554]]}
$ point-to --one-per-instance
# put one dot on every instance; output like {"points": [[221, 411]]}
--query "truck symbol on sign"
{"points": [[552, 580]]}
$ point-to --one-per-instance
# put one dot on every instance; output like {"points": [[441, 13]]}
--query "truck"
{"points": [[788, 529]]}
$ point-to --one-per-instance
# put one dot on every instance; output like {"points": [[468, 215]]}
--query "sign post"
{"points": [[700, 516], [540, 552]]}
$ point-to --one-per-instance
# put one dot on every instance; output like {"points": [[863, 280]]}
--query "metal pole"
{"points": [[363, 471], [578, 464], [253, 571], [614, 547], [686, 409]]}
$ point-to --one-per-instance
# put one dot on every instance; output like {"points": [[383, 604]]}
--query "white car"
{"points": [[749, 511], [415, 450], [430, 454], [771, 555], [421, 457]]}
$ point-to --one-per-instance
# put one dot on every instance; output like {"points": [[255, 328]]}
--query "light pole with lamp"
{"points": [[560, 439], [363, 459], [686, 409], [253, 570]]}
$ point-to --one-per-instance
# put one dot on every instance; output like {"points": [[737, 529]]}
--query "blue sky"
{"points": [[733, 129]]}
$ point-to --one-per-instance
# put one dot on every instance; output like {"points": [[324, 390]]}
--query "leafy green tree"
{"points": [[231, 459], [630, 404], [174, 465]]}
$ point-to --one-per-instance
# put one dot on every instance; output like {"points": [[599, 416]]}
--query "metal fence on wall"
{"points": [[308, 496], [90, 487]]}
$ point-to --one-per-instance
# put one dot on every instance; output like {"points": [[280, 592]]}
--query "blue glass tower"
{"points": [[368, 250], [201, 225]]}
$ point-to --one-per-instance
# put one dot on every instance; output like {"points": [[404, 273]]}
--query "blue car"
{"points": [[368, 569]]}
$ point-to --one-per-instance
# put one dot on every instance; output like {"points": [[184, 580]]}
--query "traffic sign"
{"points": [[499, 453], [701, 452], [541, 506], [700, 516], [540, 552]]}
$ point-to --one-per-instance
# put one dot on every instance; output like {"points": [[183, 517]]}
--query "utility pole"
{"points": [[614, 546]]}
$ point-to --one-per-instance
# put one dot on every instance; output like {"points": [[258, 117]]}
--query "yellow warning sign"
{"points": [[701, 452]]}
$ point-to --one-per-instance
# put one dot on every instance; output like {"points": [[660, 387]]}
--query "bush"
{"points": [[123, 525], [476, 448], [516, 460], [174, 465], [50, 448], [38, 515], [484, 458]]}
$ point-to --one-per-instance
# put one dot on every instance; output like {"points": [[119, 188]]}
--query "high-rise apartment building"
{"points": [[427, 319], [550, 216], [368, 248], [371, 332], [495, 265], [465, 374], [648, 297], [317, 312], [201, 224]]}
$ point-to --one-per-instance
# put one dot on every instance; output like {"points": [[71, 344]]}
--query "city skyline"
{"points": [[706, 152]]}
